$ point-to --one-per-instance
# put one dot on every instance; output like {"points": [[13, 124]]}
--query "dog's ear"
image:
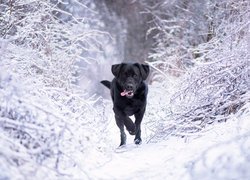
{"points": [[144, 68], [115, 69]]}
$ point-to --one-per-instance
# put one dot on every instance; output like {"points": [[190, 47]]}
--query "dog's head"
{"points": [[130, 77]]}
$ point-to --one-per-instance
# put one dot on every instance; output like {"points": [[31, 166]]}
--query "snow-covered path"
{"points": [[169, 159], [147, 161]]}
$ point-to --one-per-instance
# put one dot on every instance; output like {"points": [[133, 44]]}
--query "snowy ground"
{"points": [[173, 158]]}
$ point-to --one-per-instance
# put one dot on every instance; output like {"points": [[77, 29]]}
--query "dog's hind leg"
{"points": [[130, 126]]}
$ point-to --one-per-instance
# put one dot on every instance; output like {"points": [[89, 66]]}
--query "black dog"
{"points": [[129, 95]]}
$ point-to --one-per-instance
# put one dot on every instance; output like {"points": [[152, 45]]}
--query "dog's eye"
{"points": [[135, 76]]}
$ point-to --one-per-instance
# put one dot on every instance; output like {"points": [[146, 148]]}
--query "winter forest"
{"points": [[56, 119]]}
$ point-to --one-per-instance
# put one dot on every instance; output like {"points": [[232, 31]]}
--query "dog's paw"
{"points": [[138, 141], [121, 146]]}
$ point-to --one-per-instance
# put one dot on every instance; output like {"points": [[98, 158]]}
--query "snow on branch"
{"points": [[48, 124], [214, 83]]}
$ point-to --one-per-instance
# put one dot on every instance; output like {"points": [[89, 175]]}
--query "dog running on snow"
{"points": [[129, 95]]}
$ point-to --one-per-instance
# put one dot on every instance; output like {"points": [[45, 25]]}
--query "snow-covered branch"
{"points": [[47, 122], [216, 84]]}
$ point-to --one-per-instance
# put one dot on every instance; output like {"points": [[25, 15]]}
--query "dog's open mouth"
{"points": [[127, 93]]}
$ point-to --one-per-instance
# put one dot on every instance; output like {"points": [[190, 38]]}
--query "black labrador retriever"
{"points": [[129, 95]]}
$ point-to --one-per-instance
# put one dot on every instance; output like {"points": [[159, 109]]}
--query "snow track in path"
{"points": [[170, 159], [164, 160]]}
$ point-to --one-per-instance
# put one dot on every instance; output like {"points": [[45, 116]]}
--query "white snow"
{"points": [[55, 124], [172, 158]]}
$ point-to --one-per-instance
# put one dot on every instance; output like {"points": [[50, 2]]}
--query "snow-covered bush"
{"points": [[217, 84], [30, 131], [49, 126], [178, 27], [228, 159], [54, 44]]}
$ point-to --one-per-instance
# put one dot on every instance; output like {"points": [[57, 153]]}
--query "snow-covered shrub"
{"points": [[46, 139], [30, 131], [178, 27], [218, 82], [49, 126], [229, 160], [226, 160], [216, 87], [54, 44]]}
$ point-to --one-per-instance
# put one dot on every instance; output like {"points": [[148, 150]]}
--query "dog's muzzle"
{"points": [[129, 89]]}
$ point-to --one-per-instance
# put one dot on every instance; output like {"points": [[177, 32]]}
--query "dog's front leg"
{"points": [[120, 124], [138, 120]]}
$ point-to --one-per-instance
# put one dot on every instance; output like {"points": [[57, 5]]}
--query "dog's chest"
{"points": [[131, 107], [130, 111]]}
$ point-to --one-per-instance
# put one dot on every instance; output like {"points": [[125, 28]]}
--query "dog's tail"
{"points": [[106, 83]]}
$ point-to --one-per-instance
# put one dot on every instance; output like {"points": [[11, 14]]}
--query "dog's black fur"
{"points": [[129, 78]]}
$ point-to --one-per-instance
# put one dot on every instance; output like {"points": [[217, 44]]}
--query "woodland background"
{"points": [[55, 115]]}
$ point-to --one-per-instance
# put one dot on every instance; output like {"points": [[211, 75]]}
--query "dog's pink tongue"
{"points": [[123, 93], [127, 93]]}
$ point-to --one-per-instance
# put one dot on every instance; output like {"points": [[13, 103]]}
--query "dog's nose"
{"points": [[129, 87]]}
